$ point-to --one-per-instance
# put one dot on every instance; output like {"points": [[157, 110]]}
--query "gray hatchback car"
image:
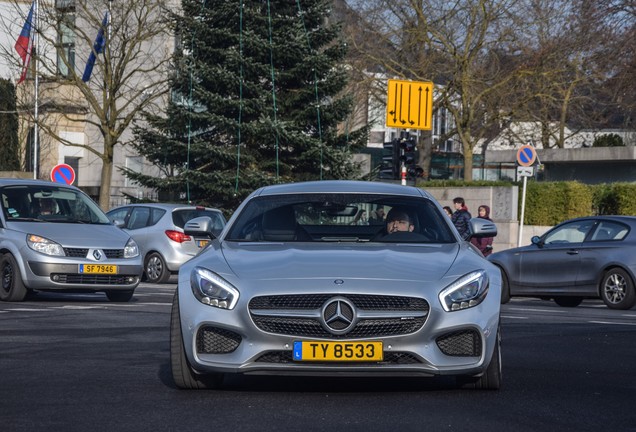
{"points": [[158, 230], [55, 237]]}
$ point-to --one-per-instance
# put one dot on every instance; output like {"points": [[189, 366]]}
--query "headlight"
{"points": [[465, 292], [44, 245], [131, 250], [212, 289]]}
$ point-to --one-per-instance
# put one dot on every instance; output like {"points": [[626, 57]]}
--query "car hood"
{"points": [[394, 262], [77, 235]]}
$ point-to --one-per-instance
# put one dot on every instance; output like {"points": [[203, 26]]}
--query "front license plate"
{"points": [[97, 269], [338, 351]]}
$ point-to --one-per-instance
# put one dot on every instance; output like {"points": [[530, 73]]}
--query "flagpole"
{"points": [[36, 150]]}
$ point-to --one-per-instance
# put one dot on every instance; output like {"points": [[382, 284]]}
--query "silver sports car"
{"points": [[300, 283]]}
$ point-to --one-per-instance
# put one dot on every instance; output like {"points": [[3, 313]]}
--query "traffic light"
{"points": [[390, 168], [408, 156]]}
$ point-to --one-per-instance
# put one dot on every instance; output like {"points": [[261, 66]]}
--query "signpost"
{"points": [[409, 105], [63, 173], [526, 158]]}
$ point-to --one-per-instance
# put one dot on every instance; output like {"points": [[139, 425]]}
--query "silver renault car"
{"points": [[55, 237], [295, 284]]}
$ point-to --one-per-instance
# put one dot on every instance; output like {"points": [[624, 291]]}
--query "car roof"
{"points": [[342, 186], [4, 181], [621, 218], [166, 206]]}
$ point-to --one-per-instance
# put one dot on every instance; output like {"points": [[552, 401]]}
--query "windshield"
{"points": [[32, 203], [341, 218]]}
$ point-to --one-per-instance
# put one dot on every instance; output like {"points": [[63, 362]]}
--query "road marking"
{"points": [[612, 323], [539, 310], [513, 317], [71, 307], [27, 310]]}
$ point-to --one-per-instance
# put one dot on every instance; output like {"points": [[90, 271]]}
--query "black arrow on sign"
{"points": [[426, 109], [401, 89], [409, 111], [394, 112]]}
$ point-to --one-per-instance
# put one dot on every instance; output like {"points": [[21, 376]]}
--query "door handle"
{"points": [[572, 252]]}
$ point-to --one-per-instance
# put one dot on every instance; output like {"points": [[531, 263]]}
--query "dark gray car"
{"points": [[588, 257], [158, 231]]}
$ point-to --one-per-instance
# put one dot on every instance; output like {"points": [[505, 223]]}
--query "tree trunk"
{"points": [[104, 190]]}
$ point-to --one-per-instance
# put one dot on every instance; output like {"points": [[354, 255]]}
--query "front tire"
{"points": [[155, 269], [12, 287], [491, 378], [617, 289], [568, 301], [182, 373], [505, 287]]}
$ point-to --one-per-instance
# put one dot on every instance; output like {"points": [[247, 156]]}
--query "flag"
{"points": [[98, 48], [24, 44]]}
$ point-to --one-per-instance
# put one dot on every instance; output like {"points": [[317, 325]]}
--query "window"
{"points": [[573, 232], [133, 163], [65, 38], [609, 231]]}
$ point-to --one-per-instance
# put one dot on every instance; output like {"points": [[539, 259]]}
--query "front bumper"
{"points": [[66, 276], [448, 343]]}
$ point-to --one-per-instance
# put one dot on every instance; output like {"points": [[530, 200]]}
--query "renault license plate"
{"points": [[97, 269], [338, 351]]}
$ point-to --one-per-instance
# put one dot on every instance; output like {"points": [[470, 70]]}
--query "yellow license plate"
{"points": [[338, 351], [97, 269]]}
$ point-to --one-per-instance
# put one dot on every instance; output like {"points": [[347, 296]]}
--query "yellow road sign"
{"points": [[409, 104]]}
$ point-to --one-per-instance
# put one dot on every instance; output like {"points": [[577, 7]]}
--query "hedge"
{"points": [[550, 203]]}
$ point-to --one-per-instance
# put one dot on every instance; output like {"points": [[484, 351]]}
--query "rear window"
{"points": [[180, 217]]}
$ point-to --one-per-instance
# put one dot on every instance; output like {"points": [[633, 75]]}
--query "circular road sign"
{"points": [[526, 155], [63, 173]]}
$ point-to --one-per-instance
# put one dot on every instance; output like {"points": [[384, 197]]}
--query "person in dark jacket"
{"points": [[484, 244], [460, 217]]}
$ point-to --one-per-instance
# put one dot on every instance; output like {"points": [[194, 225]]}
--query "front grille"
{"points": [[362, 301], [89, 279], [390, 358], [81, 253], [365, 328], [114, 253], [463, 343], [212, 340], [75, 252]]}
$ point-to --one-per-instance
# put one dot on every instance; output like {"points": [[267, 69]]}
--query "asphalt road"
{"points": [[81, 363]]}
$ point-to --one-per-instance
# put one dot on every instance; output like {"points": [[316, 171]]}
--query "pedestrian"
{"points": [[461, 217], [377, 216], [484, 244], [448, 211], [360, 218]]}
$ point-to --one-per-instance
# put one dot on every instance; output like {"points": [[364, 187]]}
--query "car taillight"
{"points": [[177, 236]]}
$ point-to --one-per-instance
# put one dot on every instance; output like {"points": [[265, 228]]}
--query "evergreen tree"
{"points": [[9, 145], [258, 94]]}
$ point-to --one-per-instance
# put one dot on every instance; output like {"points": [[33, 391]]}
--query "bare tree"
{"points": [[468, 47], [130, 72]]}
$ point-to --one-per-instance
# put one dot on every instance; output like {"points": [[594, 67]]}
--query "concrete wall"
{"points": [[503, 203]]}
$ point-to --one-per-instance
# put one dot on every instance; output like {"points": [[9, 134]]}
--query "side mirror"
{"points": [[482, 228], [201, 226], [118, 223], [536, 240]]}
